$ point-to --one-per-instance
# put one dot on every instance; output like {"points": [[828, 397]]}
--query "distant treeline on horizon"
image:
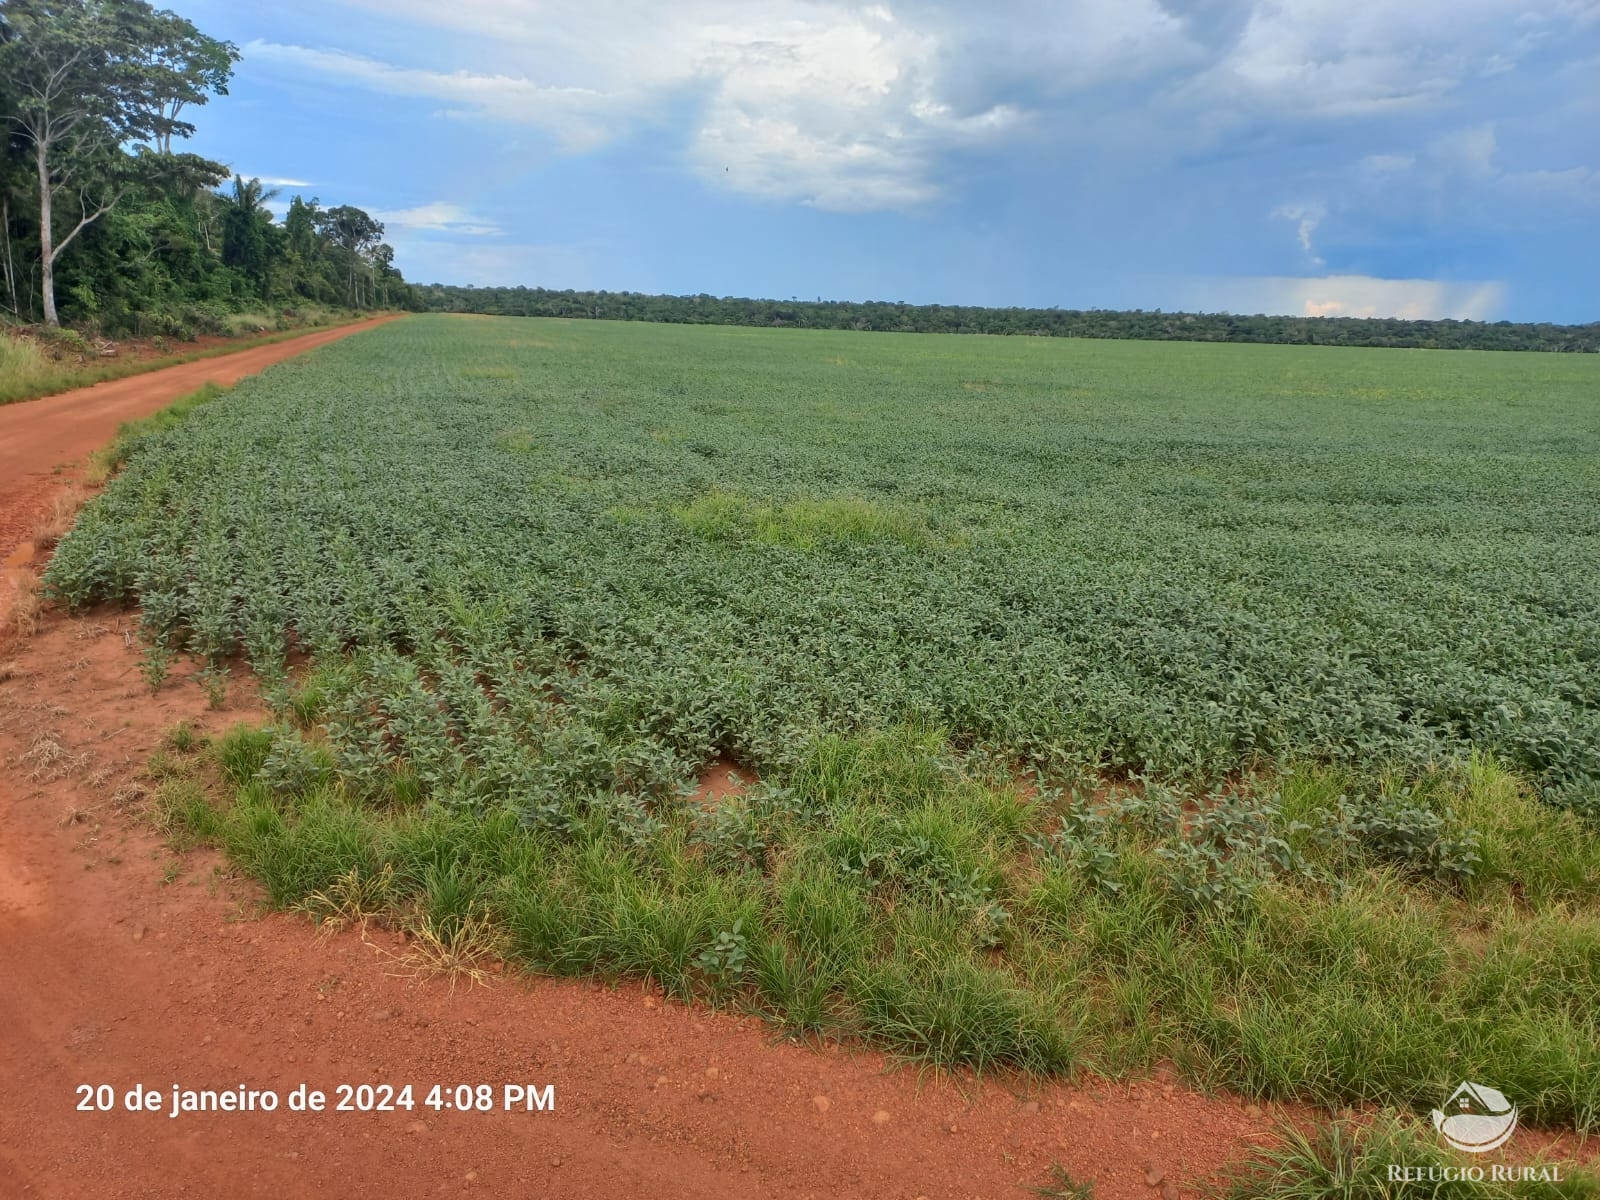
{"points": [[885, 316]]}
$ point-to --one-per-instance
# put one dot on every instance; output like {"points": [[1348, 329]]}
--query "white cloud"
{"points": [[1307, 217], [576, 115], [830, 103], [1335, 59], [1466, 158], [276, 180], [1378, 165], [844, 117], [855, 106], [503, 264], [438, 217], [1466, 151], [1348, 296], [1576, 186]]}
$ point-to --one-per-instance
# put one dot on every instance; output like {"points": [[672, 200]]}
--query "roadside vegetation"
{"points": [[1332, 941], [39, 363], [1103, 706], [1345, 1159], [104, 462]]}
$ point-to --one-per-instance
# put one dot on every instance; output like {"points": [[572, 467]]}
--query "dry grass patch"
{"points": [[470, 948], [353, 899], [23, 607], [63, 514], [47, 759]]}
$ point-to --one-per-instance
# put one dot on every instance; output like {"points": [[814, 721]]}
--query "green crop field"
{"points": [[1103, 703]]}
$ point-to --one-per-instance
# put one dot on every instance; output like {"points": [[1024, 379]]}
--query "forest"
{"points": [[1038, 322], [104, 226]]}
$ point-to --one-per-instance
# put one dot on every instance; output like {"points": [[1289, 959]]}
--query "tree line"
{"points": [[103, 224], [1041, 322]]}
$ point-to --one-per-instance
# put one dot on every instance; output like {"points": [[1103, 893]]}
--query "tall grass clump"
{"points": [[803, 524], [1344, 1161], [25, 370]]}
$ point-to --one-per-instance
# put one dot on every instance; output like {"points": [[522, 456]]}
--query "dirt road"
{"points": [[37, 436]]}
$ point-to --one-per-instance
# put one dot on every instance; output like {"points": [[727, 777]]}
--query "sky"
{"points": [[1424, 158]]}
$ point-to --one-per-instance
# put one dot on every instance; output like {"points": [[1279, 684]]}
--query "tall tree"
{"points": [[245, 225], [196, 67], [87, 77], [357, 234], [300, 224], [15, 167]]}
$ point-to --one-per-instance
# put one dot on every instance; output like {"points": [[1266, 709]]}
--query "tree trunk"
{"points": [[10, 266], [47, 255]]}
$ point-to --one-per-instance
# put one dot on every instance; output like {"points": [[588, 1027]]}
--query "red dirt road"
{"points": [[37, 436]]}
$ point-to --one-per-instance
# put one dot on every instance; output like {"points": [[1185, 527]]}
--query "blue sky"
{"points": [[1429, 158]]}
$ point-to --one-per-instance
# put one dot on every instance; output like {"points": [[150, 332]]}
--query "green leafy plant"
{"points": [[724, 960]]}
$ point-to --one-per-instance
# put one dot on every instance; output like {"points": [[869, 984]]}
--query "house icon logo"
{"points": [[1476, 1118]]}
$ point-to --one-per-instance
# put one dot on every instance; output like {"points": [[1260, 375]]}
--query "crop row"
{"points": [[595, 557]]}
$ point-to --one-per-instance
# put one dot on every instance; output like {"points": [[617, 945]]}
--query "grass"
{"points": [[25, 370], [802, 524], [1388, 1160], [465, 950], [23, 606], [28, 373], [885, 891], [1062, 1186], [64, 506], [351, 899]]}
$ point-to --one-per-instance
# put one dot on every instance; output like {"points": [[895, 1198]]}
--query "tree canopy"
{"points": [[103, 223]]}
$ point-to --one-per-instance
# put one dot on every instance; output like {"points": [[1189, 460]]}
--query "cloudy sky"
{"points": [[1365, 157]]}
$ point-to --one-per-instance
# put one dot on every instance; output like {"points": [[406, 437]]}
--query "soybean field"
{"points": [[1098, 702], [1178, 560]]}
